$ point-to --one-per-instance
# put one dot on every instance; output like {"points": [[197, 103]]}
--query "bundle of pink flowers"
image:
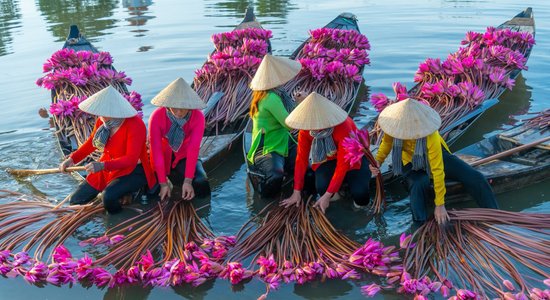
{"points": [[332, 63], [229, 69], [75, 75], [480, 70]]}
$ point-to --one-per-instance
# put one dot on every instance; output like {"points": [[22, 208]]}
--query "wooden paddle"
{"points": [[509, 152], [21, 172]]}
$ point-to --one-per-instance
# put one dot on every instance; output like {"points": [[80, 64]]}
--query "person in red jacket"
{"points": [[120, 135], [323, 126], [175, 135]]}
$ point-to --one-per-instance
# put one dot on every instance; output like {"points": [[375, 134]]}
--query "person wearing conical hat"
{"points": [[120, 135], [323, 127], [418, 152], [175, 134], [269, 107]]}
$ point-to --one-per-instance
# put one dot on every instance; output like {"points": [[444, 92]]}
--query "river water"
{"points": [[155, 42]]}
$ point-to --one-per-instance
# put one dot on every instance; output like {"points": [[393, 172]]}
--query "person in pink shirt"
{"points": [[175, 133]]}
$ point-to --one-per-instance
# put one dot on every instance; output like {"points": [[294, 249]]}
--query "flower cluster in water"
{"points": [[206, 261], [477, 71]]}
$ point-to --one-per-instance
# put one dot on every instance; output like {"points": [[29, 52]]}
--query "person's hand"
{"points": [[294, 199], [94, 167], [65, 164], [323, 202], [165, 191], [375, 170], [187, 191], [440, 215]]}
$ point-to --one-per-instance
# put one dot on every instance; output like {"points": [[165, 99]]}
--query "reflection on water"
{"points": [[10, 16], [93, 17], [262, 8], [139, 15]]}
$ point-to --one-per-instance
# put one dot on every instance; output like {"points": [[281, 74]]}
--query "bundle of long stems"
{"points": [[541, 121], [485, 250], [166, 228], [32, 223], [295, 236]]}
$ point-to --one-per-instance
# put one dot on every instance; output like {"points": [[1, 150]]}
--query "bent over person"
{"points": [[270, 135], [120, 135], [176, 129], [419, 153], [323, 127]]}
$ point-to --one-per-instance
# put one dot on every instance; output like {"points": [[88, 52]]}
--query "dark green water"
{"points": [[156, 42]]}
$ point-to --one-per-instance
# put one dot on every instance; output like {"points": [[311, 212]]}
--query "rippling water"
{"points": [[154, 42]]}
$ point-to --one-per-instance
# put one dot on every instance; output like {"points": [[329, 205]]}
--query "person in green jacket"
{"points": [[268, 110]]}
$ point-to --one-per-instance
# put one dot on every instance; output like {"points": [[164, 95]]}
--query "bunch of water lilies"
{"points": [[357, 145], [230, 69], [491, 252], [478, 71], [75, 75], [332, 64]]}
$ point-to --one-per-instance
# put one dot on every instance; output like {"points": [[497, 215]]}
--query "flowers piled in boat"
{"points": [[332, 64], [74, 76], [478, 71], [230, 69]]}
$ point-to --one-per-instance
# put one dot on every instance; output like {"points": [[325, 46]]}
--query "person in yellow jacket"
{"points": [[418, 152]]}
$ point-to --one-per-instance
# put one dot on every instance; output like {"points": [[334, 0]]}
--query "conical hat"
{"points": [[108, 103], [273, 72], [316, 112], [178, 94], [409, 120]]}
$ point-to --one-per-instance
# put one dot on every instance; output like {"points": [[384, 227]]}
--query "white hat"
{"points": [[108, 103], [178, 94], [316, 112], [409, 120], [273, 72]]}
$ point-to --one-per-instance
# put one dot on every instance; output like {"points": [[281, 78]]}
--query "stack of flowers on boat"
{"points": [[230, 69], [480, 70], [75, 75], [332, 64]]}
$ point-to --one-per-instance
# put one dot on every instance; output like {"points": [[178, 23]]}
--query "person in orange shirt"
{"points": [[419, 152], [120, 135], [323, 127]]}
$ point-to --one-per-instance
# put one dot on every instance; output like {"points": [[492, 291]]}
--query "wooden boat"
{"points": [[521, 169], [66, 141], [345, 21], [524, 21], [216, 144]]}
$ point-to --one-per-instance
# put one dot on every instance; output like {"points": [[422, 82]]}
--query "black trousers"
{"points": [[114, 191], [421, 191], [200, 182], [357, 180]]}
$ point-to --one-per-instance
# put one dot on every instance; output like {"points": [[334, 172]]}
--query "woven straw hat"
{"points": [[316, 112], [178, 94], [273, 72], [108, 103], [409, 120]]}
